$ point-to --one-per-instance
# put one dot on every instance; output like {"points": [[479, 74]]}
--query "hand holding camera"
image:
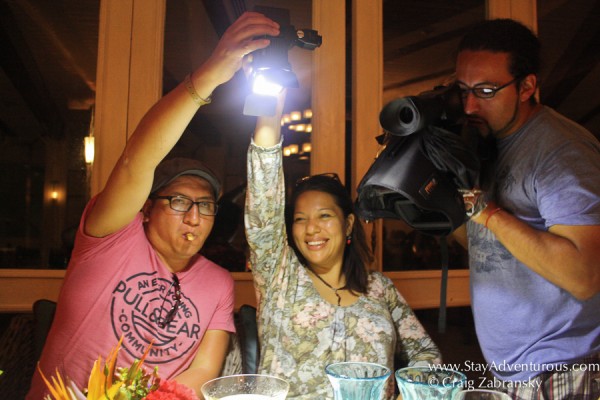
{"points": [[474, 200]]}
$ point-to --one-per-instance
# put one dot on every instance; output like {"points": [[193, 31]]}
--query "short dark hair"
{"points": [[506, 36], [357, 255]]}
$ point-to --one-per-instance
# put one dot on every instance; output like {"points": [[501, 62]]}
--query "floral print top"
{"points": [[300, 333]]}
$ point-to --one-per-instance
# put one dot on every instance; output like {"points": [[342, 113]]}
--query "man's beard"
{"points": [[486, 146], [484, 127], [479, 124], [500, 133]]}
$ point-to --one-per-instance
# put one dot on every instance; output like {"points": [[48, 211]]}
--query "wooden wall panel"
{"points": [[129, 76], [329, 88], [367, 90]]}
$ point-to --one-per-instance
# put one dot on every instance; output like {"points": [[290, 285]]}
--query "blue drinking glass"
{"points": [[357, 380], [429, 382]]}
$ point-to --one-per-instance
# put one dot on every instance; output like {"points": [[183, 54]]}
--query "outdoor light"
{"points": [[89, 149], [54, 191], [297, 125], [271, 70], [88, 142], [293, 148]]}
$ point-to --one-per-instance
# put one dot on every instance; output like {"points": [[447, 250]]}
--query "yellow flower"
{"points": [[107, 382]]}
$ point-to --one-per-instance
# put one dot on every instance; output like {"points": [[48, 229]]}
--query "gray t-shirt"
{"points": [[547, 173]]}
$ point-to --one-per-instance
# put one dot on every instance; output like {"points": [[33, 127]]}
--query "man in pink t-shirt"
{"points": [[135, 271]]}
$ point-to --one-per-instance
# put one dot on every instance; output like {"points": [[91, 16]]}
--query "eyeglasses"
{"points": [[327, 175], [176, 297], [184, 204], [483, 90]]}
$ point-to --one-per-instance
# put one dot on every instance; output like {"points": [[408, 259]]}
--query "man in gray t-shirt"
{"points": [[534, 249]]}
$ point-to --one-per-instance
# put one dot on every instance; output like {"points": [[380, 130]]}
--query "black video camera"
{"points": [[441, 107], [423, 163]]}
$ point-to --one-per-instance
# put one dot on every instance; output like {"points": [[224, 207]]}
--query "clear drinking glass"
{"points": [[425, 383], [246, 387], [357, 380], [480, 394]]}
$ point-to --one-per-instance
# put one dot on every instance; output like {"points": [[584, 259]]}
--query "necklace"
{"points": [[335, 290]]}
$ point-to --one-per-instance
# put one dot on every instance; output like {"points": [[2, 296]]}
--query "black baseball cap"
{"points": [[172, 168]]}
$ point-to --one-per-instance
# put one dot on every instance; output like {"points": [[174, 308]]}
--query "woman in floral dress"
{"points": [[318, 302]]}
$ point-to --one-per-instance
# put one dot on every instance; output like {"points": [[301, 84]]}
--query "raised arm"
{"points": [[130, 181], [268, 129], [264, 219]]}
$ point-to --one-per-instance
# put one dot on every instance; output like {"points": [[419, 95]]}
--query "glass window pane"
{"points": [[47, 81], [420, 39]]}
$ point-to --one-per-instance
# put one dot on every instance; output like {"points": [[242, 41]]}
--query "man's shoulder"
{"points": [[554, 122]]}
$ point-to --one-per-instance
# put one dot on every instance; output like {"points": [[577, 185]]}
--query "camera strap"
{"points": [[444, 284]]}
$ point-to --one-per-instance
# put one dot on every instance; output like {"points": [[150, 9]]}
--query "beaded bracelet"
{"points": [[189, 85], [494, 211]]}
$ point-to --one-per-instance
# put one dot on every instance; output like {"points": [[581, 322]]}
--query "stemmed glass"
{"points": [[246, 387]]}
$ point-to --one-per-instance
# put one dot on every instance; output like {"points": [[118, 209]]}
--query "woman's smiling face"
{"points": [[319, 229]]}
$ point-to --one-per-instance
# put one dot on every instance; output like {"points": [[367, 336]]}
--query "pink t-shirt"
{"points": [[116, 286]]}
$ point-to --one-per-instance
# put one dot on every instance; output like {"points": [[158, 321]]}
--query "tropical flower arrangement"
{"points": [[110, 382]]}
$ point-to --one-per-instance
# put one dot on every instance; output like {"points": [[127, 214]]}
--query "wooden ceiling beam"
{"points": [[576, 62]]}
